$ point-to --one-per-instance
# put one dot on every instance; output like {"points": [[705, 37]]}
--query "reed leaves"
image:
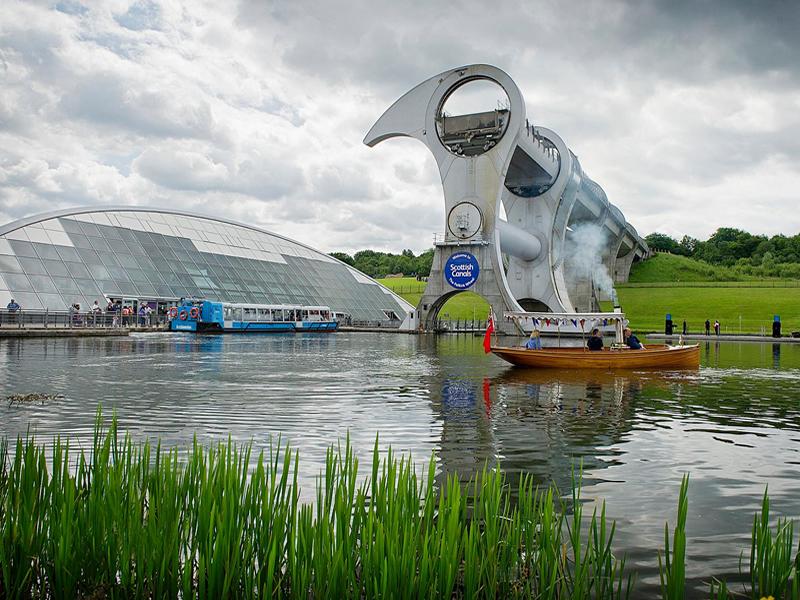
{"points": [[134, 520], [130, 520]]}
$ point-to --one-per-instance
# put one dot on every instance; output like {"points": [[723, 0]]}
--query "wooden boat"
{"points": [[653, 357]]}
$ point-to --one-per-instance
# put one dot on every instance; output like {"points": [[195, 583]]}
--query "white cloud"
{"points": [[686, 114]]}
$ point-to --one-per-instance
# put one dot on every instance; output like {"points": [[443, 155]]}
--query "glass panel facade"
{"points": [[152, 256]]}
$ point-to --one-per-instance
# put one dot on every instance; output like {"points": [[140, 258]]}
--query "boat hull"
{"points": [[654, 357], [256, 327]]}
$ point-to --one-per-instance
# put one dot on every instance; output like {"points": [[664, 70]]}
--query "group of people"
{"points": [[594, 343], [121, 314], [126, 314], [708, 327]]}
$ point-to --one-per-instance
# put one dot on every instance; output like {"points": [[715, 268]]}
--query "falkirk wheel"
{"points": [[524, 227]]}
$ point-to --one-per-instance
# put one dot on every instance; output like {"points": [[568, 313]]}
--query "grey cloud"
{"points": [[344, 182], [107, 99], [267, 179]]}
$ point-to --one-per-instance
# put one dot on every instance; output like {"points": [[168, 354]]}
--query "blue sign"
{"points": [[461, 270]]}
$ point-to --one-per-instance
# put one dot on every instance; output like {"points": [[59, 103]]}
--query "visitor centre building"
{"points": [[137, 255]]}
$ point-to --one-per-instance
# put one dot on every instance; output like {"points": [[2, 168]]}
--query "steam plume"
{"points": [[584, 251]]}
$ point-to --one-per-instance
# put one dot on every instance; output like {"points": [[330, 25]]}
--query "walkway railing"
{"points": [[67, 319], [460, 326]]}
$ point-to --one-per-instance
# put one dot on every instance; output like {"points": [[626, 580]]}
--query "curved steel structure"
{"points": [[561, 243]]}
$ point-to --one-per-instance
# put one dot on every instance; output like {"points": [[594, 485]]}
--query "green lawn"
{"points": [[464, 306], [647, 307]]}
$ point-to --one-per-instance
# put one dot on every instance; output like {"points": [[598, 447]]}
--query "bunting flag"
{"points": [[583, 321], [487, 337], [605, 322], [574, 322], [547, 321]]}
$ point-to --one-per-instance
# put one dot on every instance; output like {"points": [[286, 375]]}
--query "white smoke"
{"points": [[584, 249]]}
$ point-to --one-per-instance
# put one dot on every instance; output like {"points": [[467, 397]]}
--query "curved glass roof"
{"points": [[57, 259]]}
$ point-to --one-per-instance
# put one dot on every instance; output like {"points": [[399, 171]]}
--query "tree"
{"points": [[688, 245], [345, 258], [662, 242]]}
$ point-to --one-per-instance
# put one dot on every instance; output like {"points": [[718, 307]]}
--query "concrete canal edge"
{"points": [[51, 332]]}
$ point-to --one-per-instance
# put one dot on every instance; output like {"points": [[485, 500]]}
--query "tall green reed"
{"points": [[773, 566], [132, 520], [773, 563], [672, 569]]}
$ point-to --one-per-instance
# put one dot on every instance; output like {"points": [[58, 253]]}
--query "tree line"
{"points": [[753, 255], [757, 255], [380, 264]]}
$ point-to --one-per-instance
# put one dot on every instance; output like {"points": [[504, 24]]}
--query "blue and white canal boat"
{"points": [[219, 317]]}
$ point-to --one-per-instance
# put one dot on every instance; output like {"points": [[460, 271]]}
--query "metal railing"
{"points": [[460, 326], [372, 324], [43, 319]]}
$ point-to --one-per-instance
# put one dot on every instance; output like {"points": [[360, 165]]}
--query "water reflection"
{"points": [[541, 422], [734, 424]]}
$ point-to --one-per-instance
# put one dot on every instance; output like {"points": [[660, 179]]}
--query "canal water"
{"points": [[734, 425]]}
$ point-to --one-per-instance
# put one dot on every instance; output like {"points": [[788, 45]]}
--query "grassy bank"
{"points": [[674, 268], [465, 306], [137, 521], [694, 291], [647, 307]]}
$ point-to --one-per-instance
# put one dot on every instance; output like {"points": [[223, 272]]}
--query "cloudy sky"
{"points": [[687, 113]]}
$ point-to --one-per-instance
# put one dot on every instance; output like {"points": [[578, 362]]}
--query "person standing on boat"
{"points": [[631, 340], [595, 342], [534, 343]]}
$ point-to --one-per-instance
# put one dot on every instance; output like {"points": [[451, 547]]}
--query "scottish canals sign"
{"points": [[461, 270]]}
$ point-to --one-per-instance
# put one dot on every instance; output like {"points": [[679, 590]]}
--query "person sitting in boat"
{"points": [[534, 342], [595, 342], [631, 340]]}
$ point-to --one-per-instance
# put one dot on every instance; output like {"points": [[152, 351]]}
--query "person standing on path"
{"points": [[684, 327], [708, 327], [716, 327]]}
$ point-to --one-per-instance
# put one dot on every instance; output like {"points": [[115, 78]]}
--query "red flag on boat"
{"points": [[487, 337]]}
